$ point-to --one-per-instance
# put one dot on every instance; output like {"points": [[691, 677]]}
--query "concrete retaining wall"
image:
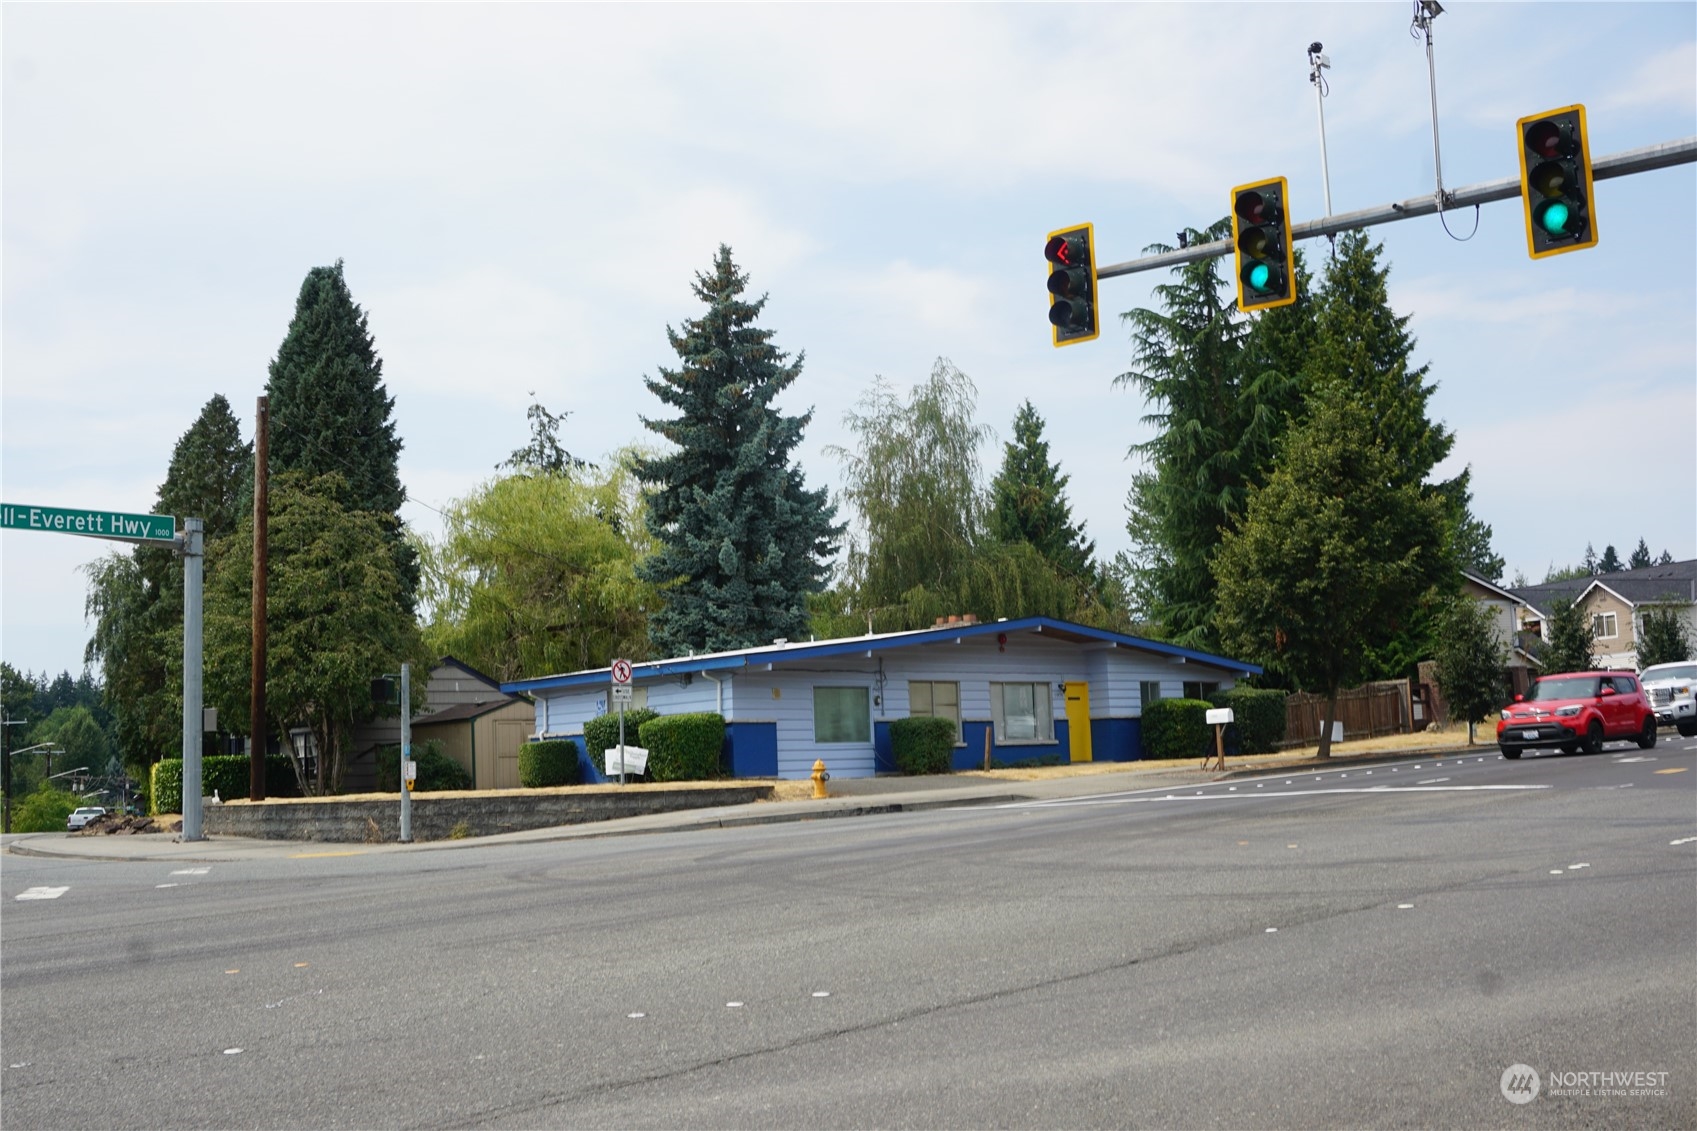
{"points": [[435, 817]]}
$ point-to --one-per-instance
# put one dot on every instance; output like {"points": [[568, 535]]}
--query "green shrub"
{"points": [[602, 734], [44, 811], [165, 786], [435, 769], [226, 773], [923, 745], [1260, 715], [683, 747], [553, 762], [1177, 728]]}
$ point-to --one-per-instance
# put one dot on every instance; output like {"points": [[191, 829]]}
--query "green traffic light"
{"points": [[1259, 275], [1554, 218]]}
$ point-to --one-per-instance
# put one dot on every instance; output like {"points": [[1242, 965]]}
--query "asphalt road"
{"points": [[1371, 947]]}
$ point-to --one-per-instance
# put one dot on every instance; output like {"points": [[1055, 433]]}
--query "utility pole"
{"points": [[193, 550], [256, 690], [6, 771], [406, 752]]}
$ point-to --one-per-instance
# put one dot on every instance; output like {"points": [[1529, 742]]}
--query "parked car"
{"points": [[81, 817], [1577, 711], [1670, 688]]}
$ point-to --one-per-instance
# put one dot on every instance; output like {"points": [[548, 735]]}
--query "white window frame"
{"points": [[1043, 707], [1143, 696], [930, 710], [866, 694], [1600, 621]]}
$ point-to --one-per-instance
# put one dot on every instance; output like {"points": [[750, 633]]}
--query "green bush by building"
{"points": [[1177, 728], [923, 745], [687, 747], [549, 763]]}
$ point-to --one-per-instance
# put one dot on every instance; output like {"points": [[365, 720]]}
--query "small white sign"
{"points": [[409, 770], [621, 672], [1337, 730], [634, 761], [1220, 716], [621, 693]]}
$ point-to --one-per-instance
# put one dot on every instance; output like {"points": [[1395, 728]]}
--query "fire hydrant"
{"points": [[820, 777]]}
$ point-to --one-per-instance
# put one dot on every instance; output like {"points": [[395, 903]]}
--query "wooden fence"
{"points": [[1365, 711]]}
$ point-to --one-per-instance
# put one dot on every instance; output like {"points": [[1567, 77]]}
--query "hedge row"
{"points": [[687, 747], [1260, 715], [1176, 728], [553, 762], [923, 744], [225, 773], [602, 734]]}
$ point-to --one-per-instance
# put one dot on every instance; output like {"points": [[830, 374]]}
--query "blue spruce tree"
{"points": [[742, 542]]}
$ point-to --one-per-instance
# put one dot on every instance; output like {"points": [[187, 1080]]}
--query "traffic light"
{"points": [[1071, 253], [1266, 264], [1555, 182]]}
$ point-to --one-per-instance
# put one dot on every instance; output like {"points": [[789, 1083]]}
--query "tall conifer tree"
{"points": [[330, 413], [1028, 500], [742, 542], [136, 597]]}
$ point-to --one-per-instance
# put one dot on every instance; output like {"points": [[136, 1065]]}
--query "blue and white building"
{"points": [[1038, 688]]}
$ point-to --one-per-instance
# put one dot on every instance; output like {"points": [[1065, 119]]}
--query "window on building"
{"points": [[1022, 712], [1150, 690], [842, 714], [1197, 690], [1603, 626], [935, 699]]}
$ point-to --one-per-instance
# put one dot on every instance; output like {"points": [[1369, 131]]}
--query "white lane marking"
{"points": [[1272, 930], [1431, 781], [733, 1005], [1576, 867], [1683, 840], [1639, 758], [231, 1052], [1404, 906], [156, 886], [1372, 789], [636, 1016], [1555, 871], [43, 893], [821, 993], [191, 871]]}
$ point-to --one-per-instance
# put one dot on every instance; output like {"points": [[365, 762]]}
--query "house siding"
{"points": [[768, 705]]}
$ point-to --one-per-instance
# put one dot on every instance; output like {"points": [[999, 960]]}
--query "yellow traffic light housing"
{"points": [[1555, 182], [1266, 260], [1071, 253]]}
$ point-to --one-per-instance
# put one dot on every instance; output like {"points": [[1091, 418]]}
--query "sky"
{"points": [[523, 194]]}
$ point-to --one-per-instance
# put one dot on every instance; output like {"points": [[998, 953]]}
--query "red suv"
{"points": [[1577, 710]]}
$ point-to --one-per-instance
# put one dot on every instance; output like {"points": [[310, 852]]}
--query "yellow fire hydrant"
{"points": [[820, 777]]}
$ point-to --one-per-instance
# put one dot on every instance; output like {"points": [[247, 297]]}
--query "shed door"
{"points": [[1078, 720], [509, 736]]}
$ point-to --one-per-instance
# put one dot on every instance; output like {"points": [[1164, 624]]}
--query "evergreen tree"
{"points": [[1330, 555], [1222, 395], [1640, 558], [337, 620], [1028, 501], [543, 454], [1569, 648], [1470, 661], [1609, 562], [135, 598], [1589, 562], [1665, 559], [1364, 351], [1472, 537], [330, 413], [742, 542], [1663, 639]]}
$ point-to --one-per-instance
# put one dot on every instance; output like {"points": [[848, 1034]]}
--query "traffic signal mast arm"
{"points": [[1659, 156]]}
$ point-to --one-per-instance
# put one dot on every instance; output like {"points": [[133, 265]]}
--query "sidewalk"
{"points": [[850, 797]]}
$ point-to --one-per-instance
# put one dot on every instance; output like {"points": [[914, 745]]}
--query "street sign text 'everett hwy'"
{"points": [[90, 521]]}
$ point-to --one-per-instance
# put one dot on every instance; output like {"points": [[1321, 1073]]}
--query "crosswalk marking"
{"points": [[43, 893]]}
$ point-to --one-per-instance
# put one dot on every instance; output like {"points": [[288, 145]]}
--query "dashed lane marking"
{"points": [[43, 892], [191, 871], [1681, 840], [1674, 770]]}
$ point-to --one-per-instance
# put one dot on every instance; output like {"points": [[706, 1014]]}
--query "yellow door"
{"points": [[1078, 720]]}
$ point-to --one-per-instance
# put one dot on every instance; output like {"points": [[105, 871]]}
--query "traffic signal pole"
{"points": [[1662, 155]]}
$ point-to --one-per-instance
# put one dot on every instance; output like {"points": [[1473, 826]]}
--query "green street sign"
{"points": [[89, 522]]}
